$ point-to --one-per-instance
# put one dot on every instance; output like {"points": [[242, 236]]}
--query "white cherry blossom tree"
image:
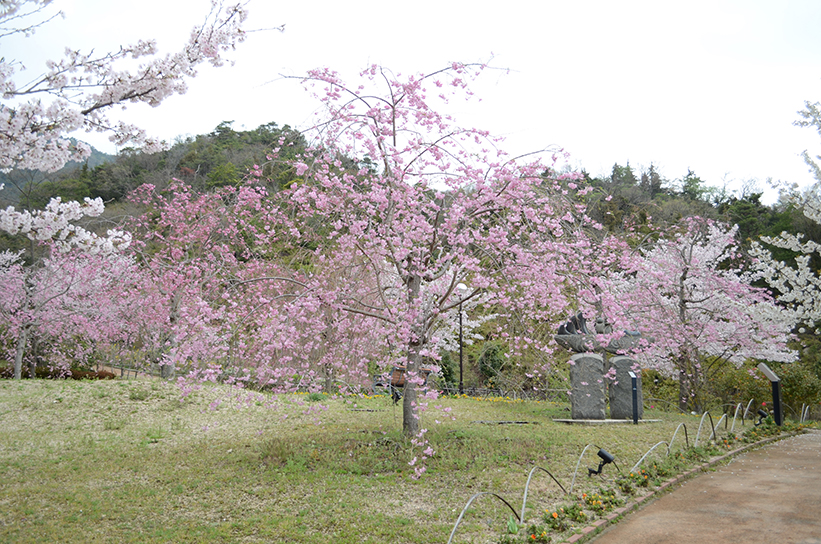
{"points": [[798, 284]]}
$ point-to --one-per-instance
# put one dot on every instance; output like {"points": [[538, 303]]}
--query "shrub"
{"points": [[53, 373]]}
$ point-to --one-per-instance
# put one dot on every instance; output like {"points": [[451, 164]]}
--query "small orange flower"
{"points": [[555, 515]]}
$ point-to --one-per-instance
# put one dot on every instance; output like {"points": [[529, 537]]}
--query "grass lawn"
{"points": [[128, 461]]}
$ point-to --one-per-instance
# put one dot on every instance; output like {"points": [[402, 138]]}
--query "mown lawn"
{"points": [[128, 461]]}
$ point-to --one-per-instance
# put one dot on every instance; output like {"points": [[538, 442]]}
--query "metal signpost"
{"points": [[634, 379], [776, 381]]}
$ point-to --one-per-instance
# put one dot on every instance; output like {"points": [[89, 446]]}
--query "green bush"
{"points": [[492, 360], [52, 373], [659, 391], [799, 385]]}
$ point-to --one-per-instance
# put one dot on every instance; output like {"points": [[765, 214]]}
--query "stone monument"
{"points": [[621, 389], [587, 386], [587, 368]]}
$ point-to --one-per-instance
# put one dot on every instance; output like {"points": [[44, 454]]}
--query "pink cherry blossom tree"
{"points": [[188, 246], [694, 306], [34, 286], [412, 205], [68, 305], [77, 91]]}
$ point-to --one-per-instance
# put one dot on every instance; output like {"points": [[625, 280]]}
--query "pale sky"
{"points": [[713, 86]]}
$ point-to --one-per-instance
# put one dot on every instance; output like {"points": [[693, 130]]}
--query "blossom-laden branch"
{"points": [[57, 223], [797, 285], [76, 91]]}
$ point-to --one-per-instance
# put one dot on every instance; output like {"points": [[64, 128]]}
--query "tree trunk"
{"points": [[683, 390], [410, 406], [689, 378], [329, 379], [328, 366], [34, 357], [22, 340], [167, 371]]}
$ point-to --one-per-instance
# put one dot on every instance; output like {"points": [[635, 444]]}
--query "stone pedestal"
{"points": [[587, 386], [621, 393]]}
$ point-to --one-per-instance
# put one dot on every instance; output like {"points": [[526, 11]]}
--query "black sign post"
{"points": [[634, 379]]}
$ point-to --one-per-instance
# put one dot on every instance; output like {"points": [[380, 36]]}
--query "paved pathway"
{"points": [[771, 495]]}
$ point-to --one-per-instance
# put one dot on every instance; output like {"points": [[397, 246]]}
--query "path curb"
{"points": [[633, 506]]}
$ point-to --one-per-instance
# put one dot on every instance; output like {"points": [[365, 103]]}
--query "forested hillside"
{"points": [[628, 197]]}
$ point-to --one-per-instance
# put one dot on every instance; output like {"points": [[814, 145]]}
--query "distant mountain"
{"points": [[95, 159]]}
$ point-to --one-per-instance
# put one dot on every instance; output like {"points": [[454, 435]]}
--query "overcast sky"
{"points": [[713, 86]]}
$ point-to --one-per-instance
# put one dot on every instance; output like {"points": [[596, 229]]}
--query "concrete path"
{"points": [[769, 495]]}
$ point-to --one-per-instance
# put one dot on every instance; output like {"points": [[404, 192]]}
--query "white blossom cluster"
{"points": [[56, 223], [799, 285], [76, 92]]}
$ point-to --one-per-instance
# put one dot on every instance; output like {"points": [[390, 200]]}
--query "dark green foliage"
{"points": [[222, 175], [754, 219], [223, 157], [809, 352], [449, 369], [626, 202], [659, 392], [492, 360], [693, 187], [651, 182], [622, 176], [76, 187]]}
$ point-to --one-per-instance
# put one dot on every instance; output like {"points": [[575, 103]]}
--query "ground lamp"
{"points": [[606, 458], [776, 381], [462, 288], [761, 415]]}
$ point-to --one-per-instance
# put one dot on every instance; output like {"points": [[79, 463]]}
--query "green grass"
{"points": [[114, 461]]}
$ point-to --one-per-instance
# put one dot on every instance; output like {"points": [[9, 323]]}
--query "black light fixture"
{"points": [[761, 415], [606, 458]]}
